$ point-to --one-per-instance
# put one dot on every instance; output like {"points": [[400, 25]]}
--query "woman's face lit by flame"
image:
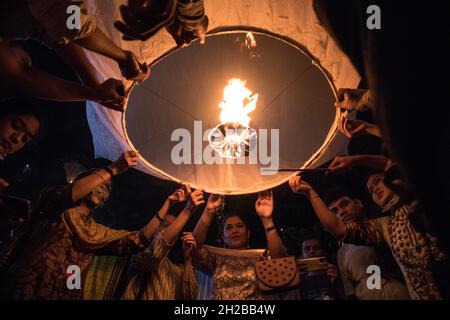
{"points": [[235, 233], [99, 195]]}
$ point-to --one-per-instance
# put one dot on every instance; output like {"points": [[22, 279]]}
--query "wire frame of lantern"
{"points": [[232, 140]]}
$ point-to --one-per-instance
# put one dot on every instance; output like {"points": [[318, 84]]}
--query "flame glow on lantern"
{"points": [[231, 138], [250, 41], [238, 102]]}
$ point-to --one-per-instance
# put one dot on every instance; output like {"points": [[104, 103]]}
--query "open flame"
{"points": [[231, 138], [238, 102]]}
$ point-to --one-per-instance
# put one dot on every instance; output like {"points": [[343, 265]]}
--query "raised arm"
{"points": [[188, 282], [264, 209], [76, 58], [327, 218], [129, 66], [54, 200], [343, 163], [18, 73], [203, 224], [85, 185], [172, 231], [179, 195]]}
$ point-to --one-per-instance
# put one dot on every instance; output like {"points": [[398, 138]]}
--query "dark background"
{"points": [[136, 196]]}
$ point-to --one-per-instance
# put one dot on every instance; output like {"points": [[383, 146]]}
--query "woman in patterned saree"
{"points": [[231, 269], [64, 234]]}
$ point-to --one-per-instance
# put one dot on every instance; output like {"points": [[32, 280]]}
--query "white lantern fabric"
{"points": [[295, 69]]}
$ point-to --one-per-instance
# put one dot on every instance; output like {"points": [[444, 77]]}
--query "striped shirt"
{"points": [[155, 277]]}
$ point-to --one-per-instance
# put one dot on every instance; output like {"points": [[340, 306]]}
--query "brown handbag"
{"points": [[277, 275]]}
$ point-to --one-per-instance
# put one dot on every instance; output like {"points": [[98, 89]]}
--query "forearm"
{"points": [[43, 85], [75, 57], [374, 131], [201, 228], [84, 186], [21, 76], [371, 161], [275, 245], [172, 231], [328, 219], [150, 229], [131, 243], [98, 42]]}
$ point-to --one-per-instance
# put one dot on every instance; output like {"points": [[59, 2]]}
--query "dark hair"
{"points": [[310, 234], [327, 241], [220, 236], [314, 237], [229, 215], [22, 106], [372, 172], [336, 193]]}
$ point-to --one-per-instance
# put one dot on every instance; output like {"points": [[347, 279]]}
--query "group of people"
{"points": [[403, 242]]}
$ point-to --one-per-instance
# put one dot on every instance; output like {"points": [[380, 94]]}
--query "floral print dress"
{"points": [[64, 234]]}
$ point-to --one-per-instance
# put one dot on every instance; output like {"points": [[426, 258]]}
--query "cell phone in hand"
{"points": [[312, 264]]}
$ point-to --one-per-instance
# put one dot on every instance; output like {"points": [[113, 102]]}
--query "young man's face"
{"points": [[312, 248], [347, 209], [380, 194]]}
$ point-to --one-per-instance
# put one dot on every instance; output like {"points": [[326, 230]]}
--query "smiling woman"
{"points": [[19, 124], [231, 270]]}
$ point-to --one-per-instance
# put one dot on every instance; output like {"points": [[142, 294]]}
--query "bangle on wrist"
{"points": [[312, 194], [108, 169], [159, 218], [100, 176]]}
